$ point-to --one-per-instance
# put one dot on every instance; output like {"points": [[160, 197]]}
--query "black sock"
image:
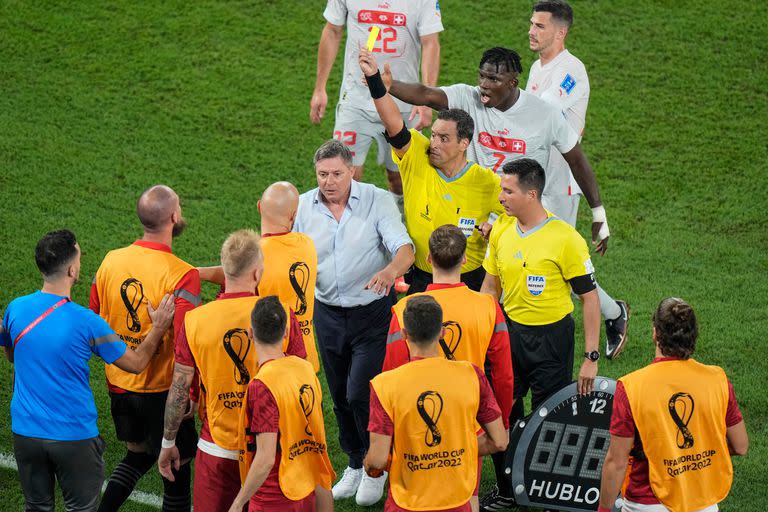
{"points": [[176, 495], [123, 480], [503, 481]]}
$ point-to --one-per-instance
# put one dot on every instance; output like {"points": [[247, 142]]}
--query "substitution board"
{"points": [[557, 452]]}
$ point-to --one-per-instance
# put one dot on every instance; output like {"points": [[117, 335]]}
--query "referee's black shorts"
{"points": [[139, 418], [542, 358]]}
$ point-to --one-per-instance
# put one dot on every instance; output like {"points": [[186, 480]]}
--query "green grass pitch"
{"points": [[99, 100]]}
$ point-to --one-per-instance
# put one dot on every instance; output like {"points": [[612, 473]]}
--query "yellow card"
{"points": [[372, 38]]}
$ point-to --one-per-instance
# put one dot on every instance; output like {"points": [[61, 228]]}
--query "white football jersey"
{"points": [[401, 24], [528, 129], [562, 82]]}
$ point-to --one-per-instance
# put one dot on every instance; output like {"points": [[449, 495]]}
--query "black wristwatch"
{"points": [[592, 356]]}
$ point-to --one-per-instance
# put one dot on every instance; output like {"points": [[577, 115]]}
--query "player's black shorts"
{"points": [[542, 357], [139, 418]]}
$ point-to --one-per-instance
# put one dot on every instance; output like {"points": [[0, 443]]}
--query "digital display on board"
{"points": [[559, 449]]}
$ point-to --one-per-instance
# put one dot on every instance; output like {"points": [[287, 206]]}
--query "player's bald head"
{"points": [[279, 202], [156, 206]]}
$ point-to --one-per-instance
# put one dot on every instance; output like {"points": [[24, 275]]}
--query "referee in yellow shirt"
{"points": [[536, 258], [439, 185]]}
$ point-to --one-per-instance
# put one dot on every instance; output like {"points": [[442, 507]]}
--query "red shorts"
{"points": [[286, 505], [217, 482]]}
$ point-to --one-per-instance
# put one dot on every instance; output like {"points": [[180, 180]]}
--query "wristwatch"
{"points": [[592, 356]]}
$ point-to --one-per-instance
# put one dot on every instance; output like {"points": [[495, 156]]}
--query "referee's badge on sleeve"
{"points": [[536, 284]]}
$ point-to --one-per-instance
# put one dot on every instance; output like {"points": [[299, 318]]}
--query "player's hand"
{"points": [[425, 116], [374, 473], [367, 62], [317, 106], [386, 77], [169, 459], [382, 281], [587, 376], [162, 317], [600, 242], [191, 410], [600, 231], [485, 229]]}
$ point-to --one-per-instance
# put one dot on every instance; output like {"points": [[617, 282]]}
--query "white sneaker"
{"points": [[370, 490], [347, 485]]}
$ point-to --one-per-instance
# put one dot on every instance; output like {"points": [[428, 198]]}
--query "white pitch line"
{"points": [[8, 461]]}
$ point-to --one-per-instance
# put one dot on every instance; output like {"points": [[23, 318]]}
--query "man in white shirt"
{"points": [[409, 33], [362, 248], [560, 79]]}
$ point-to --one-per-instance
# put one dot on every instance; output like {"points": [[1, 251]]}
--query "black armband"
{"points": [[376, 86], [401, 139], [583, 284]]}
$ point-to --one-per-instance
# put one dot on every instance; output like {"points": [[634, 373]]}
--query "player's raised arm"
{"points": [[397, 133], [415, 94], [330, 40]]}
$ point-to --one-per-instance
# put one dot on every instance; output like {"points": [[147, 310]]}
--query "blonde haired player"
{"points": [[214, 342]]}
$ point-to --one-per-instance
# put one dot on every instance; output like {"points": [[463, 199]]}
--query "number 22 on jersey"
{"points": [[385, 40]]}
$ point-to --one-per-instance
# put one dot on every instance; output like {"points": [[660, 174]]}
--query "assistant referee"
{"points": [[535, 258], [439, 185]]}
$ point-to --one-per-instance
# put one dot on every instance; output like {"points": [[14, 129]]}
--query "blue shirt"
{"points": [[52, 396], [350, 252]]}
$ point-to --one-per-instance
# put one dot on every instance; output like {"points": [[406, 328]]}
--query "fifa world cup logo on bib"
{"points": [[681, 409], [237, 344], [307, 402], [450, 341], [430, 407], [298, 275], [132, 293]]}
